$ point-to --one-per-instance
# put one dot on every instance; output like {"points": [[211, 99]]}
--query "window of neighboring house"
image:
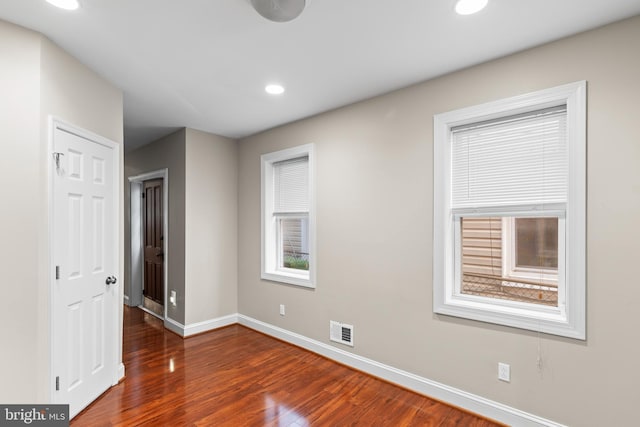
{"points": [[509, 211], [531, 249], [287, 210]]}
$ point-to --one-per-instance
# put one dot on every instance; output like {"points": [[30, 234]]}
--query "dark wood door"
{"points": [[153, 241]]}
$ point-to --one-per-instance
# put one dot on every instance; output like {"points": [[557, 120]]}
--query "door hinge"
{"points": [[56, 159], [57, 383], [57, 272], [143, 195]]}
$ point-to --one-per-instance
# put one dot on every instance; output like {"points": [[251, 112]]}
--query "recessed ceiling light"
{"points": [[274, 89], [65, 4], [468, 7]]}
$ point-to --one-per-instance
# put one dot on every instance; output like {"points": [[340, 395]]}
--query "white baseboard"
{"points": [[199, 327], [207, 325], [471, 402], [174, 326]]}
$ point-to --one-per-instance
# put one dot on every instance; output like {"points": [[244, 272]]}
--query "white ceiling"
{"points": [[204, 63]]}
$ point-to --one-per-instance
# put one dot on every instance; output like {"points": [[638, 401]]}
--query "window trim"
{"points": [[270, 269], [569, 318]]}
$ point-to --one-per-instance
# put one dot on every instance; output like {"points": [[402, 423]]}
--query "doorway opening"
{"points": [[149, 242]]}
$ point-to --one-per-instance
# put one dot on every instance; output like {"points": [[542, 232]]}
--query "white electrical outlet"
{"points": [[173, 298], [281, 309], [504, 372]]}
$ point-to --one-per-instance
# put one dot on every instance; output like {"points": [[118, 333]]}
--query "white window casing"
{"points": [[288, 194], [544, 176]]}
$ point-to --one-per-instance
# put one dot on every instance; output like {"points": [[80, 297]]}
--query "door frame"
{"points": [[55, 123], [136, 261]]}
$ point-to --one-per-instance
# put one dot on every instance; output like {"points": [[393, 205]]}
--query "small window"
{"points": [[287, 254], [509, 211]]}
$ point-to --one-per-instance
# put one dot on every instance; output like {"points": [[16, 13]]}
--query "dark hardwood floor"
{"points": [[235, 376]]}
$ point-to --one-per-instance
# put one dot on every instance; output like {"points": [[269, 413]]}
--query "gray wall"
{"points": [[20, 213], [374, 216], [211, 224], [203, 194], [168, 152], [37, 79]]}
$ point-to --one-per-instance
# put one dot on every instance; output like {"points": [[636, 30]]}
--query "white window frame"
{"points": [[271, 243], [509, 267], [569, 318]]}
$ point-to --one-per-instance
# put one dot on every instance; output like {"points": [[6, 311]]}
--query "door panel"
{"points": [[75, 235], [98, 234], [85, 236], [74, 350], [153, 241], [97, 344]]}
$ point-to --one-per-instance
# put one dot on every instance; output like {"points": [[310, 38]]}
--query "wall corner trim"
{"points": [[471, 402], [199, 327]]}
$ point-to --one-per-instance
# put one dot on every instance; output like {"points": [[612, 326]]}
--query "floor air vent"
{"points": [[341, 332]]}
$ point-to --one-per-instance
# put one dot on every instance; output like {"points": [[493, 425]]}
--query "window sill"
{"points": [[289, 278], [533, 317]]}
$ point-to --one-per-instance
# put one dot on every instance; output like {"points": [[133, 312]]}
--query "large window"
{"points": [[287, 210], [509, 211]]}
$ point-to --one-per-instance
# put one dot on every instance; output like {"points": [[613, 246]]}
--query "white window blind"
{"points": [[291, 186], [513, 161]]}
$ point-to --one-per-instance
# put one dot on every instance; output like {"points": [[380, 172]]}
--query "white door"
{"points": [[85, 248]]}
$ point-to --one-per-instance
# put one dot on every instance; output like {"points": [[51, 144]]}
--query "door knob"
{"points": [[111, 280]]}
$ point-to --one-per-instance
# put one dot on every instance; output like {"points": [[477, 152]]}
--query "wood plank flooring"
{"points": [[238, 377]]}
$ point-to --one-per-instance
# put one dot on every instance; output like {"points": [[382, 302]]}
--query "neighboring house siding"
{"points": [[292, 233], [482, 246]]}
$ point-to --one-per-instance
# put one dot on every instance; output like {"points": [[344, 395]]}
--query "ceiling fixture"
{"points": [[279, 10], [468, 7], [274, 89], [65, 4]]}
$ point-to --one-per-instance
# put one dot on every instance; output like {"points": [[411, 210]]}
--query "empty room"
{"points": [[320, 212]]}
